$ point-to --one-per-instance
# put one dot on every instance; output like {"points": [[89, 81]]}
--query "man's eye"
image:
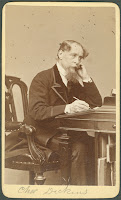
{"points": [[80, 57], [73, 56]]}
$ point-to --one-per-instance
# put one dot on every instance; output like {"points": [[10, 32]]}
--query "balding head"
{"points": [[70, 56], [67, 45]]}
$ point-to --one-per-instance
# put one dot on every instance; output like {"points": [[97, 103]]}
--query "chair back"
{"points": [[11, 114]]}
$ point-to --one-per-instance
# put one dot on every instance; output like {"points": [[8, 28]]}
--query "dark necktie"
{"points": [[70, 91]]}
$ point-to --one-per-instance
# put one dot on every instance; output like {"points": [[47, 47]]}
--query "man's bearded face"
{"points": [[71, 74], [71, 60]]}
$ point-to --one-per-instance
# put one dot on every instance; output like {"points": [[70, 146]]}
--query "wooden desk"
{"points": [[101, 121]]}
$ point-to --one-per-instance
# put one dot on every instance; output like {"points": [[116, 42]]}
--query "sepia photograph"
{"points": [[61, 100]]}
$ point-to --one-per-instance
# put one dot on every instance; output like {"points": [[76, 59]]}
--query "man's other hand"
{"points": [[76, 106], [82, 73]]}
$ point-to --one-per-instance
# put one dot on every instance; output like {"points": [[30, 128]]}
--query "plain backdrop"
{"points": [[33, 35]]}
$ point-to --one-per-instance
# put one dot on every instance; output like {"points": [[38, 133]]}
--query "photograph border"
{"points": [[118, 5]]}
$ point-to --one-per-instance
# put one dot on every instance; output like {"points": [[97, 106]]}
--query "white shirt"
{"points": [[62, 73]]}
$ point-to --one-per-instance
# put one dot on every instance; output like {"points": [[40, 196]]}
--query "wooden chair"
{"points": [[33, 158]]}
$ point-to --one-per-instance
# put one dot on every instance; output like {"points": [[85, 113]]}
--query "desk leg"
{"points": [[65, 158], [96, 158]]}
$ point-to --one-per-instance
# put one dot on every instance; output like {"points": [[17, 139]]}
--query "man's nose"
{"points": [[76, 60]]}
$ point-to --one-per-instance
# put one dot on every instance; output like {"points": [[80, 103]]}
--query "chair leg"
{"points": [[31, 178], [39, 179]]}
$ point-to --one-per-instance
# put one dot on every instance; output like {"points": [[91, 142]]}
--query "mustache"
{"points": [[73, 69], [78, 67]]}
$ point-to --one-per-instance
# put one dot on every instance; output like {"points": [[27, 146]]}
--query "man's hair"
{"points": [[66, 46]]}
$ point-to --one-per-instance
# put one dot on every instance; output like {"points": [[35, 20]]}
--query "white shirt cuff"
{"points": [[67, 109], [89, 80]]}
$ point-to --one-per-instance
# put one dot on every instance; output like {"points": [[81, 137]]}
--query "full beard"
{"points": [[72, 75]]}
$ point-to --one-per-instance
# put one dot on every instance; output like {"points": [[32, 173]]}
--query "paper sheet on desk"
{"points": [[95, 108]]}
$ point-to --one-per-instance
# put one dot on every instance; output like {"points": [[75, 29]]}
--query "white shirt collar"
{"points": [[61, 69], [62, 73]]}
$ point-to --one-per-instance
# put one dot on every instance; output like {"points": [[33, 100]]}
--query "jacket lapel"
{"points": [[58, 87]]}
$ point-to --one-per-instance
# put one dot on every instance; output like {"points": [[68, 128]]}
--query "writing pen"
{"points": [[78, 99]]}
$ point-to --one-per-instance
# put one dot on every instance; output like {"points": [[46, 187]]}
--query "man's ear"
{"points": [[60, 54]]}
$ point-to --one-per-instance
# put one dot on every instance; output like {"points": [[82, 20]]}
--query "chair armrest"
{"points": [[37, 154], [12, 126]]}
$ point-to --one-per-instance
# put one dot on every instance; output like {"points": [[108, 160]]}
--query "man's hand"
{"points": [[76, 106], [82, 73]]}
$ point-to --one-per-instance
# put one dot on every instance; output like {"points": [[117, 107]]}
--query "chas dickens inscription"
{"points": [[27, 190], [53, 190], [65, 190]]}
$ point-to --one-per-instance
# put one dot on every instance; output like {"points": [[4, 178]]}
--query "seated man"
{"points": [[64, 88]]}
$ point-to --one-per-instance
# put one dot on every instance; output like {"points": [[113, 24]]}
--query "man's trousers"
{"points": [[82, 158]]}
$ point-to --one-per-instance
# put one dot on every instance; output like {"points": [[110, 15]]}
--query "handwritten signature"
{"points": [[66, 190], [27, 190], [52, 190]]}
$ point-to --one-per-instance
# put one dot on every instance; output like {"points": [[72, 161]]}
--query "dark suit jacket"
{"points": [[48, 98]]}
